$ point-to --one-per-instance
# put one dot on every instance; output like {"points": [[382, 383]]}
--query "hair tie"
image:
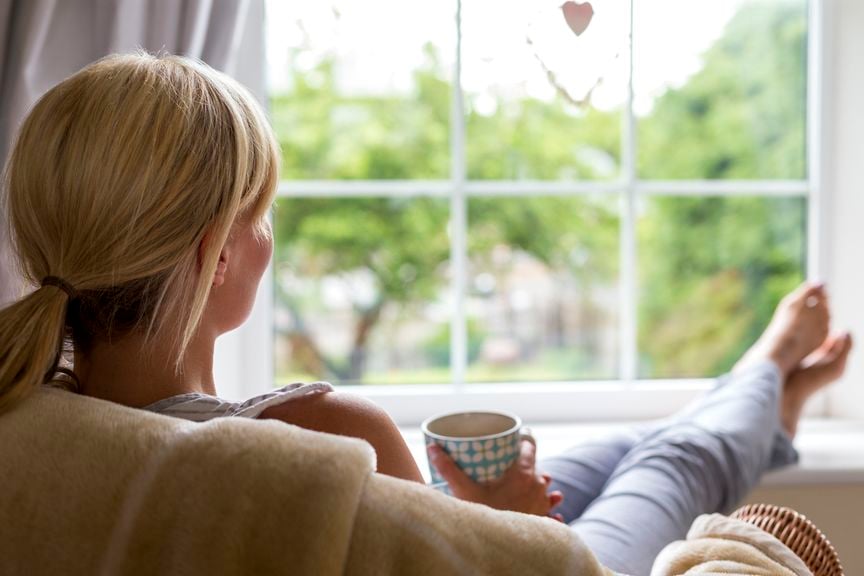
{"points": [[61, 284]]}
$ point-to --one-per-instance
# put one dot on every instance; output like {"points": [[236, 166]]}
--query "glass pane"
{"points": [[542, 102], [543, 288], [361, 290], [362, 89], [726, 98], [711, 271]]}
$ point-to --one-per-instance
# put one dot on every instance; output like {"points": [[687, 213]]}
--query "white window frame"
{"points": [[245, 358]]}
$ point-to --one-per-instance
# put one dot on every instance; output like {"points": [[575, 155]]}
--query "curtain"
{"points": [[44, 41]]}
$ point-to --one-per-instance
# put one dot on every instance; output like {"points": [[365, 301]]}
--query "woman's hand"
{"points": [[519, 489]]}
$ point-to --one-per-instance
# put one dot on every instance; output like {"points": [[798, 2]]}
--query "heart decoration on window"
{"points": [[576, 63], [577, 15]]}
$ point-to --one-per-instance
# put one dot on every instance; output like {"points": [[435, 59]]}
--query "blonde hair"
{"points": [[118, 175]]}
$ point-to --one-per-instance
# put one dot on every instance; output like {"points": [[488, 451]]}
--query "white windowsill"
{"points": [[552, 403], [540, 402], [832, 451]]}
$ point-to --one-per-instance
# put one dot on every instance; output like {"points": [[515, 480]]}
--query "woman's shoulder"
{"points": [[334, 412], [351, 415]]}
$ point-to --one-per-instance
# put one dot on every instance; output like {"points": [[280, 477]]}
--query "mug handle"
{"points": [[525, 433], [440, 487]]}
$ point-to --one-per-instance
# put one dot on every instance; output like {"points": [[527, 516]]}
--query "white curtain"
{"points": [[44, 41]]}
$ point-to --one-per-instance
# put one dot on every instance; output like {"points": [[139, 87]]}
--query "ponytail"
{"points": [[31, 337]]}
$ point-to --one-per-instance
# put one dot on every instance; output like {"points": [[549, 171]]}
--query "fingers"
{"points": [[527, 455], [555, 497], [527, 434], [448, 469]]}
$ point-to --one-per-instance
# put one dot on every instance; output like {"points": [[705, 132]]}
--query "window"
{"points": [[512, 191]]}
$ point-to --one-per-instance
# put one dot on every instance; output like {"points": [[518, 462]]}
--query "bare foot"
{"points": [[799, 326], [821, 368]]}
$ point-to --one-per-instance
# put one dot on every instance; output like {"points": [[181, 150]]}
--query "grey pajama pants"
{"points": [[628, 496]]}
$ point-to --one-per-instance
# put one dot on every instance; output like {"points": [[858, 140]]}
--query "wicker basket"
{"points": [[796, 532]]}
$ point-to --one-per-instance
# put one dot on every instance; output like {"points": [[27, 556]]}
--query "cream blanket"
{"points": [[720, 545], [89, 487]]}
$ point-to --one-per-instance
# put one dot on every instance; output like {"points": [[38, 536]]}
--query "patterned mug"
{"points": [[482, 444]]}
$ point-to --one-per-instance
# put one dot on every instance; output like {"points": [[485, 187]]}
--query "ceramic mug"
{"points": [[482, 443]]}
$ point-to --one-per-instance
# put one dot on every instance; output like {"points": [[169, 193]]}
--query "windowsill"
{"points": [[541, 402], [832, 451]]}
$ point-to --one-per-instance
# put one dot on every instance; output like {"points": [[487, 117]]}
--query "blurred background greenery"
{"points": [[362, 284]]}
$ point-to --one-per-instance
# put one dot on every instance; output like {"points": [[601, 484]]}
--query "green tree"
{"points": [[743, 115], [400, 242], [327, 135]]}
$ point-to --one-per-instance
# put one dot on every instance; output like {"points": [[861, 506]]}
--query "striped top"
{"points": [[199, 407]]}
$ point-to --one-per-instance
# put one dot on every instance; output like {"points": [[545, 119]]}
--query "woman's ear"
{"points": [[221, 268], [221, 265]]}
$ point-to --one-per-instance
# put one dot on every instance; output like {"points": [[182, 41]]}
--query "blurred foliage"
{"points": [[577, 235], [325, 135], [706, 266], [710, 269], [535, 140], [743, 115]]}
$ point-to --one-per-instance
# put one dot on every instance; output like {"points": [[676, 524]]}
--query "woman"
{"points": [[138, 192]]}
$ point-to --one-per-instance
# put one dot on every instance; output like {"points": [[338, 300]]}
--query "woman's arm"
{"points": [[349, 415]]}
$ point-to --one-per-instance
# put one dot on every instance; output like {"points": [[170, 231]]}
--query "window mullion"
{"points": [[458, 221], [628, 249], [816, 241], [543, 188]]}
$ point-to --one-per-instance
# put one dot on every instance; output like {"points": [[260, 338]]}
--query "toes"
{"points": [[839, 348], [832, 345], [809, 289], [828, 351], [830, 364], [845, 346], [811, 294]]}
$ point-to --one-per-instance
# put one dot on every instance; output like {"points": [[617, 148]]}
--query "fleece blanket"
{"points": [[90, 487], [716, 544]]}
